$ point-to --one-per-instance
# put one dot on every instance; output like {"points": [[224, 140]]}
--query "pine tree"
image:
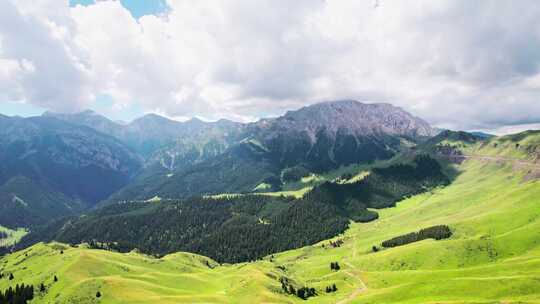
{"points": [[11, 277], [55, 279], [98, 294], [42, 287], [301, 293], [292, 290]]}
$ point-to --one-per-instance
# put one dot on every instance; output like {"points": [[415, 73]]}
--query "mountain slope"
{"points": [[76, 161], [238, 170], [25, 203], [320, 137], [331, 134]]}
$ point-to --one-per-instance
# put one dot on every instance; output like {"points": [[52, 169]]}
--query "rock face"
{"points": [[330, 134], [351, 117], [74, 160]]}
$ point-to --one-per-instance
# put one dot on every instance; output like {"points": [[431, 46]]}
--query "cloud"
{"points": [[512, 129], [37, 62], [459, 64]]}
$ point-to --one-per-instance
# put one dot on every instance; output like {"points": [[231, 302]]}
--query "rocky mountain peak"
{"points": [[352, 117]]}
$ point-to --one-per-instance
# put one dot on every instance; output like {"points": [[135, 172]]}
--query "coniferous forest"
{"points": [[435, 232], [21, 294]]}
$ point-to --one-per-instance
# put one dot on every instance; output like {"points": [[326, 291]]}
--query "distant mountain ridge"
{"points": [[151, 132], [46, 161]]}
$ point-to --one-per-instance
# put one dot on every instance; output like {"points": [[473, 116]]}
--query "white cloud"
{"points": [[512, 129], [461, 64]]}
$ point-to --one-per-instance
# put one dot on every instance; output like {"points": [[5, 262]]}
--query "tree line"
{"points": [[435, 232], [303, 292], [21, 294]]}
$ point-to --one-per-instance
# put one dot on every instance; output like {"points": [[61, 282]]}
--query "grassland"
{"points": [[14, 235], [492, 257]]}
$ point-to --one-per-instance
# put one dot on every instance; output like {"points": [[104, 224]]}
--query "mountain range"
{"points": [[86, 158]]}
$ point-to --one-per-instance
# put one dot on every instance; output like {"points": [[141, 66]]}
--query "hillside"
{"points": [[52, 151], [25, 203], [493, 255]]}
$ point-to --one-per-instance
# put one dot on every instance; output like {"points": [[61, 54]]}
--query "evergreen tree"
{"points": [[292, 290], [301, 293]]}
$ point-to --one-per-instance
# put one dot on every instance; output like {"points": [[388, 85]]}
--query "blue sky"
{"points": [[137, 8]]}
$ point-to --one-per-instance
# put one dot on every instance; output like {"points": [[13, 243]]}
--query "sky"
{"points": [[460, 64]]}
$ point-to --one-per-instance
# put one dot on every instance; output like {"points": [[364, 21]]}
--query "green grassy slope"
{"points": [[135, 278], [14, 235], [493, 257], [525, 145]]}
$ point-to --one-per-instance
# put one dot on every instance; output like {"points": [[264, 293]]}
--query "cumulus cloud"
{"points": [[459, 64], [37, 62]]}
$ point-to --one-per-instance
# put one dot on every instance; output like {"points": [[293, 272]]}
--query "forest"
{"points": [[21, 294], [245, 227]]}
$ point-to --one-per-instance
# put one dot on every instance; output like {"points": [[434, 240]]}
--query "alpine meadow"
{"points": [[171, 151]]}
